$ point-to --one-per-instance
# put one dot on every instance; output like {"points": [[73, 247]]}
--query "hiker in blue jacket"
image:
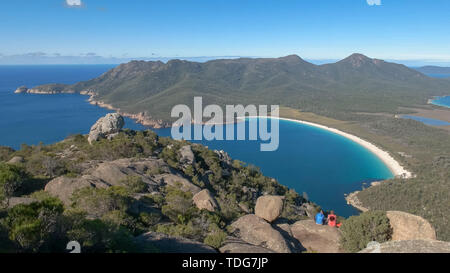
{"points": [[319, 218]]}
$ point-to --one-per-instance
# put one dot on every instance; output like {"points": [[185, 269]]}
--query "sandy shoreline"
{"points": [[395, 167]]}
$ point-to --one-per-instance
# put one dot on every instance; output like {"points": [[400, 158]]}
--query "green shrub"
{"points": [[12, 178], [134, 184], [97, 201], [179, 207], [36, 226], [358, 231], [215, 238]]}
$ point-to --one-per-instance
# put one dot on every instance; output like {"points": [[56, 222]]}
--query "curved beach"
{"points": [[395, 167]]}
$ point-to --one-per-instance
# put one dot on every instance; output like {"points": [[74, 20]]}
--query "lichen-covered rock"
{"points": [[104, 127], [168, 244], [256, 231], [407, 226], [409, 246], [269, 207], [205, 200], [317, 238]]}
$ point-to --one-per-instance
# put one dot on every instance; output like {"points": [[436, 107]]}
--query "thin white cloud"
{"points": [[374, 2], [74, 3]]}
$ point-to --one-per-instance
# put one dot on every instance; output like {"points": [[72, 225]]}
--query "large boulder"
{"points": [[63, 187], [153, 241], [407, 226], [205, 200], [269, 207], [409, 246], [256, 231], [187, 156], [106, 126], [317, 238], [235, 245]]}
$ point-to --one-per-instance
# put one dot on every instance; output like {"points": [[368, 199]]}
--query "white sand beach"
{"points": [[390, 162]]}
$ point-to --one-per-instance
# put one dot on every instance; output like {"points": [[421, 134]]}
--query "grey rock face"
{"points": [[106, 174], [256, 231], [106, 127], [269, 207], [407, 226], [317, 238], [180, 182], [187, 156], [205, 200]]}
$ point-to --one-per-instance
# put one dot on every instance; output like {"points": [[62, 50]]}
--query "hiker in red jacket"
{"points": [[332, 219]]}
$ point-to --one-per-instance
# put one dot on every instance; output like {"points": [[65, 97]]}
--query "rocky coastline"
{"points": [[141, 118]]}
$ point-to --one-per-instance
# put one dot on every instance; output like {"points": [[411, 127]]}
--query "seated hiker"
{"points": [[332, 219], [319, 218]]}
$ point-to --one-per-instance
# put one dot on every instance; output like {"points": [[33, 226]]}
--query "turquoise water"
{"points": [[309, 159], [442, 101], [428, 121]]}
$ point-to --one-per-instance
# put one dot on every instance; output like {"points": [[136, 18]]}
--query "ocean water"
{"points": [[32, 118], [324, 165], [442, 101], [428, 121]]}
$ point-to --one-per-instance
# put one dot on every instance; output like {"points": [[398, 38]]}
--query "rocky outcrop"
{"points": [[256, 231], [407, 226], [63, 187], [180, 182], [187, 156], [409, 246], [22, 89], [317, 238], [205, 200], [115, 172], [16, 160], [107, 174], [106, 127], [236, 245], [159, 242], [352, 199], [269, 207]]}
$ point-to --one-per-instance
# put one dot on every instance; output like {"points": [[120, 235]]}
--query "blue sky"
{"points": [[313, 29]]}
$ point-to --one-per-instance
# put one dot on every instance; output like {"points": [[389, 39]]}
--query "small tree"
{"points": [[11, 179], [358, 231]]}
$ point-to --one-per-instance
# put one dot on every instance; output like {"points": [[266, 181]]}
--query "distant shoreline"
{"points": [[433, 101]]}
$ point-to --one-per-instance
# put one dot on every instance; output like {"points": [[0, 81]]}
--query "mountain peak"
{"points": [[292, 57]]}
